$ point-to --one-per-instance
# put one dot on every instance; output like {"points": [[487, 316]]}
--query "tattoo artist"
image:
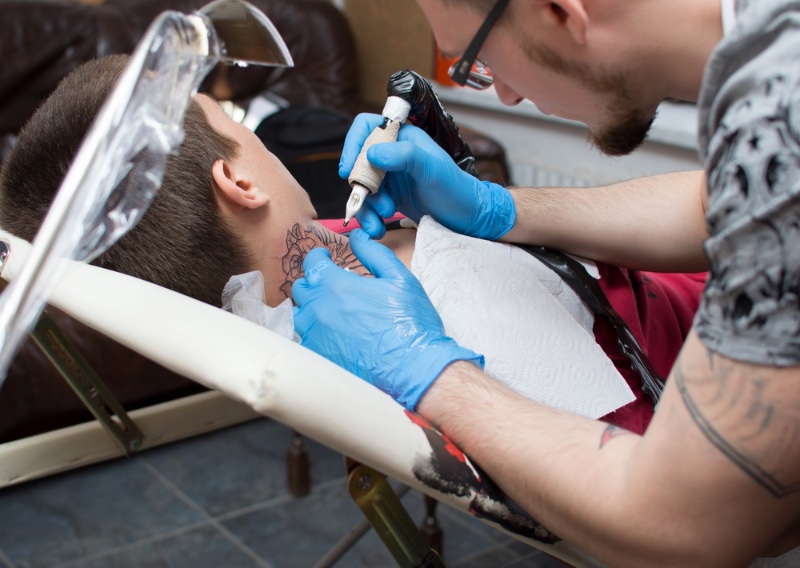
{"points": [[715, 480]]}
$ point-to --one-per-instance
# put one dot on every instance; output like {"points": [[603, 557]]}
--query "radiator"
{"points": [[535, 175]]}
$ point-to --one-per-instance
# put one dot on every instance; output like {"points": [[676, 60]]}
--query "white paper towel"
{"points": [[534, 331], [244, 296]]}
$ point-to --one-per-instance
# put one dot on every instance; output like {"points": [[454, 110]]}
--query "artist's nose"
{"points": [[506, 94]]}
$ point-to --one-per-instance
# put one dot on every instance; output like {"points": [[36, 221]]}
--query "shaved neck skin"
{"points": [[286, 266]]}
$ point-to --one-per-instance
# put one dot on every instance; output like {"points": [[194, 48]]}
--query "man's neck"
{"points": [[673, 41], [301, 238]]}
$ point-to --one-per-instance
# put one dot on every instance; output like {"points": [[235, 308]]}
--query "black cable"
{"points": [[586, 287]]}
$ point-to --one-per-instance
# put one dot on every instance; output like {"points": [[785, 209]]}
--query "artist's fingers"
{"points": [[413, 147], [418, 137], [371, 221], [393, 156], [305, 290], [377, 258], [303, 320], [382, 202], [361, 128], [377, 207], [316, 262]]}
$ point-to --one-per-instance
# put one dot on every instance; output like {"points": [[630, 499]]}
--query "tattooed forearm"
{"points": [[612, 432], [743, 412], [300, 241]]}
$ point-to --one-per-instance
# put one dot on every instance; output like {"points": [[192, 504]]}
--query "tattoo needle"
{"points": [[357, 197]]}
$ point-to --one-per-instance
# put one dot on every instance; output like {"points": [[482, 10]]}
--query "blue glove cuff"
{"points": [[495, 212], [426, 366]]}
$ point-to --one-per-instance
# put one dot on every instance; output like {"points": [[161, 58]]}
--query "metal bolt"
{"points": [[365, 482]]}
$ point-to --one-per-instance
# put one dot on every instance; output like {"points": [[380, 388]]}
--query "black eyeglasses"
{"points": [[469, 70]]}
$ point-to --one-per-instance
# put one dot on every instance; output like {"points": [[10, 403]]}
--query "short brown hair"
{"points": [[182, 241]]}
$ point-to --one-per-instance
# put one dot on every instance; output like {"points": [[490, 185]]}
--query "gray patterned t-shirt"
{"points": [[750, 142]]}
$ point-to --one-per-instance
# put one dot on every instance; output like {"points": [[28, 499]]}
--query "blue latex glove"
{"points": [[422, 179], [383, 329]]}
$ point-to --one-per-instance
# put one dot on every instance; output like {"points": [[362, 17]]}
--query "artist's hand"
{"points": [[422, 179], [383, 329]]}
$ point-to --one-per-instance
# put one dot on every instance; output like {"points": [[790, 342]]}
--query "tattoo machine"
{"points": [[428, 113], [366, 178], [422, 108]]}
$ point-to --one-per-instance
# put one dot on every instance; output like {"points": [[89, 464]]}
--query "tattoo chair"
{"points": [[40, 42], [272, 376], [146, 401]]}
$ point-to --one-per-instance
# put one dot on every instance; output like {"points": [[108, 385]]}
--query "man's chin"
{"points": [[623, 138]]}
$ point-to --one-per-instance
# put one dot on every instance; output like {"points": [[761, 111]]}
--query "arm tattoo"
{"points": [[612, 432], [746, 418], [300, 241]]}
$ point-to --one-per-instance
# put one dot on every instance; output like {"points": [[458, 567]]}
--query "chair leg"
{"points": [[86, 383], [392, 523], [298, 468], [430, 529]]}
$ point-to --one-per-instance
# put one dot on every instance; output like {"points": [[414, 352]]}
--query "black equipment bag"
{"points": [[309, 140]]}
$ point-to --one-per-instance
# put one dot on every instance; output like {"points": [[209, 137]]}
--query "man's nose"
{"points": [[506, 94]]}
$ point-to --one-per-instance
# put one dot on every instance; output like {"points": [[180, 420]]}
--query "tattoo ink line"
{"points": [[749, 466], [300, 241], [612, 432]]}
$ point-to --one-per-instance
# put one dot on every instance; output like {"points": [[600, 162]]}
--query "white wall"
{"points": [[546, 151]]}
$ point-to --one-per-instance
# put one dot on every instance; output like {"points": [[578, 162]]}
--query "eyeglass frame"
{"points": [[461, 71]]}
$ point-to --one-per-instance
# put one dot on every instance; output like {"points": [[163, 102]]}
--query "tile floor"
{"points": [[217, 500]]}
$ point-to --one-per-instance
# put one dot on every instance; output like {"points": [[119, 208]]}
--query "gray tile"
{"points": [[536, 559], [473, 525], [120, 514], [87, 511], [239, 466], [300, 532], [492, 557], [463, 535], [472, 542], [531, 557], [197, 548]]}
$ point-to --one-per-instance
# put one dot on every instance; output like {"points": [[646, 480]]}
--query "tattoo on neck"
{"points": [[300, 241]]}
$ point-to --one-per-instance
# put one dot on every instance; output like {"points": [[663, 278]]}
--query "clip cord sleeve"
{"points": [[428, 113]]}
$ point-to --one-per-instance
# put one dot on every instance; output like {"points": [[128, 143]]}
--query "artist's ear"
{"points": [[572, 15], [237, 189]]}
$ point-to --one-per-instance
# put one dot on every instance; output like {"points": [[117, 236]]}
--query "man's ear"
{"points": [[572, 15], [236, 190]]}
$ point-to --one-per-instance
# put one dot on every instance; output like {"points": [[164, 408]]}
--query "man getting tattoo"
{"points": [[228, 207]]}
